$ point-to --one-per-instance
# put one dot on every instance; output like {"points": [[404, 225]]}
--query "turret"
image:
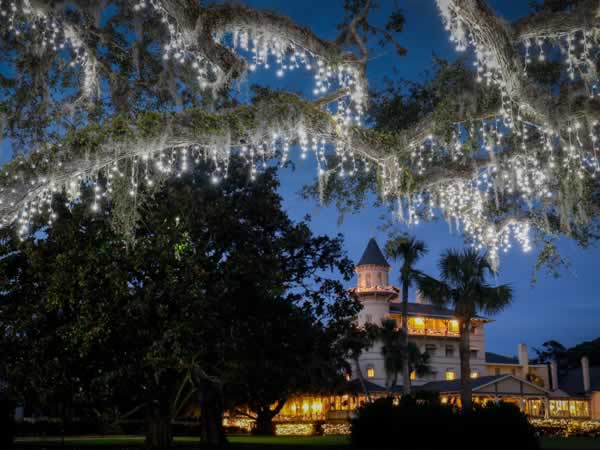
{"points": [[373, 289]]}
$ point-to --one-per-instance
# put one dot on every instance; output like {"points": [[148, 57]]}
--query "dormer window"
{"points": [[370, 372]]}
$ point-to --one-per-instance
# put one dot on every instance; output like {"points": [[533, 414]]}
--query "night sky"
{"points": [[566, 309]]}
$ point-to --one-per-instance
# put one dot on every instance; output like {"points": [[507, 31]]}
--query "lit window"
{"points": [[419, 321], [370, 372], [444, 400], [450, 375], [474, 374], [413, 375], [454, 326], [347, 376]]}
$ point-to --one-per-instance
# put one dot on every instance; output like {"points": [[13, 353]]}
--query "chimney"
{"points": [[585, 371], [524, 359], [554, 375]]}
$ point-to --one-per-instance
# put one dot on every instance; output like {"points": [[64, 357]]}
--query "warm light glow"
{"points": [[450, 375], [454, 325], [419, 321], [444, 400], [370, 372], [474, 374], [305, 406], [413, 375]]}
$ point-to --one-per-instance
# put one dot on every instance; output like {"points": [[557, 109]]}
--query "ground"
{"points": [[254, 442]]}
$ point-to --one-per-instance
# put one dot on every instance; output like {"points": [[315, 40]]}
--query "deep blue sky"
{"points": [[566, 309]]}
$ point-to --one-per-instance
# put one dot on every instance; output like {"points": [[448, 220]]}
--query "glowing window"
{"points": [[453, 326], [413, 375], [450, 375], [474, 374], [419, 321], [370, 372]]}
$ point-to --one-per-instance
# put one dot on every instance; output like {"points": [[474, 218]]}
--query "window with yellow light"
{"points": [[474, 374], [370, 372], [413, 375], [453, 326], [450, 375]]}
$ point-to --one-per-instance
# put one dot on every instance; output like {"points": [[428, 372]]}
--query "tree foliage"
{"points": [[221, 299]]}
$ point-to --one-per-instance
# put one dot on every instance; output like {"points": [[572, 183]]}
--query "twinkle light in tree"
{"points": [[494, 177]]}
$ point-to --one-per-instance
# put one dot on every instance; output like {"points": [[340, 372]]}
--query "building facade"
{"points": [[536, 389]]}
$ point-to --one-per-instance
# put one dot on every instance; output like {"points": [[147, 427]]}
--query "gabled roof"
{"points": [[427, 310], [477, 384], [495, 358], [454, 385], [572, 381], [373, 255]]}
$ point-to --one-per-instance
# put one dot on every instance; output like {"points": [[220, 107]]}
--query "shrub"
{"points": [[502, 425], [429, 425], [381, 424], [7, 423]]}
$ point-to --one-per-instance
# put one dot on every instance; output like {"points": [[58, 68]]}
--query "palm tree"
{"points": [[463, 286], [408, 250], [355, 341], [393, 351]]}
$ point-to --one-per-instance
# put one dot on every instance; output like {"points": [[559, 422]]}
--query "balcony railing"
{"points": [[432, 332]]}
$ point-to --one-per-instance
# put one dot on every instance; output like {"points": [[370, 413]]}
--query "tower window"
{"points": [[368, 280], [370, 372]]}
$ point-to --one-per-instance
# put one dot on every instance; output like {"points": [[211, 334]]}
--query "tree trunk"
{"points": [[158, 432], [406, 388], [465, 367], [361, 378], [264, 423], [211, 412]]}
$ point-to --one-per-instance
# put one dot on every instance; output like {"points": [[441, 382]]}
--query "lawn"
{"points": [[263, 441]]}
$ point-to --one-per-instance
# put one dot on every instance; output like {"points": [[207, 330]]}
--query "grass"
{"points": [[267, 441], [573, 443]]}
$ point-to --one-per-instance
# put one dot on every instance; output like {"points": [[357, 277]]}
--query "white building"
{"points": [[435, 331]]}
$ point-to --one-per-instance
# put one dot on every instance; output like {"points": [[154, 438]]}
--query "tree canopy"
{"points": [[221, 300], [133, 90]]}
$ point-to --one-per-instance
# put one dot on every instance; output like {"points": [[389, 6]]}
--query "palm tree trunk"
{"points": [[361, 378], [405, 360], [465, 367]]}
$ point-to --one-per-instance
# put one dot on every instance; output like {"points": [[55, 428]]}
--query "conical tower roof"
{"points": [[373, 255]]}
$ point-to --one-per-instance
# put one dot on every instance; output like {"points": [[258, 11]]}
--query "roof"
{"points": [[495, 358], [373, 255], [425, 309], [355, 386], [477, 384], [572, 381], [454, 385]]}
